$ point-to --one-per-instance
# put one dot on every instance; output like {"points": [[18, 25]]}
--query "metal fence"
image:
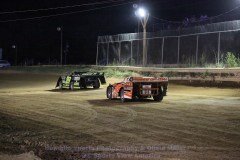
{"points": [[196, 46]]}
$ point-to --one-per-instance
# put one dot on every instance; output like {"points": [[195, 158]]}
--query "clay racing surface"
{"points": [[190, 123]]}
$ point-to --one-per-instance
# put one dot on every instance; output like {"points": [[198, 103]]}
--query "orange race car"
{"points": [[139, 88]]}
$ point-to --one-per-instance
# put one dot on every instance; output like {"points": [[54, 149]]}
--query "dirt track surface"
{"points": [[190, 123]]}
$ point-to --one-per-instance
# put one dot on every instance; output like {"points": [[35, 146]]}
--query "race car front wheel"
{"points": [[71, 86], [122, 95], [109, 92], [60, 85]]}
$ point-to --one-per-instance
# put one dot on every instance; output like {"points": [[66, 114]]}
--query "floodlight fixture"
{"points": [[141, 12]]}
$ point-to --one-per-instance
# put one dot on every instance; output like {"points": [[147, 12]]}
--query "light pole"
{"points": [[60, 29], [16, 54], [144, 15], [66, 50]]}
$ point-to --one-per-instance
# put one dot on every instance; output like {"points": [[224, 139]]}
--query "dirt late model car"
{"points": [[139, 88], [81, 80]]}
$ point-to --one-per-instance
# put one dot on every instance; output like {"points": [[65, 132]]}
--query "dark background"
{"points": [[38, 41]]}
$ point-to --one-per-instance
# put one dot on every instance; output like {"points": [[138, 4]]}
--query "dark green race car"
{"points": [[81, 80]]}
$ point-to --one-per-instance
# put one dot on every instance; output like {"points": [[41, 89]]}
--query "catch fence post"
{"points": [[197, 49], [178, 49], [163, 40], [97, 55], [131, 52], [107, 53], [219, 47], [119, 50]]}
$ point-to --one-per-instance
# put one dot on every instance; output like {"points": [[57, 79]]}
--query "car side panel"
{"points": [[128, 90], [116, 90]]}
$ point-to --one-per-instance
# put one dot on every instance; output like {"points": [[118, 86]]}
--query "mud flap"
{"points": [[59, 80]]}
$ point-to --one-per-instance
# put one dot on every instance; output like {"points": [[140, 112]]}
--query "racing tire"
{"points": [[159, 97], [71, 86], [96, 84], [82, 83], [109, 92], [122, 95], [60, 85]]}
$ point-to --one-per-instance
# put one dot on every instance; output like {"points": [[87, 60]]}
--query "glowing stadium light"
{"points": [[141, 12]]}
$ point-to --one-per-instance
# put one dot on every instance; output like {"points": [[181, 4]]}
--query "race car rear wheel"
{"points": [[122, 95], [71, 86], [96, 84], [82, 83], [109, 92], [159, 96]]}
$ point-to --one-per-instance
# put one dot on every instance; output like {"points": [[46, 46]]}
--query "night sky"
{"points": [[38, 39]]}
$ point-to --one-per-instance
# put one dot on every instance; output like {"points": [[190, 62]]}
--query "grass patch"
{"points": [[117, 73], [61, 70]]}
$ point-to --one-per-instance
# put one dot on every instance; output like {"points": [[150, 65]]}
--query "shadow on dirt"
{"points": [[70, 91], [117, 102]]}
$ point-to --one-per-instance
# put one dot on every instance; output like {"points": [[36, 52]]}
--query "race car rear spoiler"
{"points": [[90, 73], [99, 75], [149, 79]]}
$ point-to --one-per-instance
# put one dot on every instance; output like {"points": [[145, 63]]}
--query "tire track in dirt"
{"points": [[193, 122], [186, 113], [111, 125], [88, 115], [119, 122], [186, 133], [55, 105]]}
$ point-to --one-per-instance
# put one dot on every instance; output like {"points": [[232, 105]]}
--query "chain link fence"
{"points": [[196, 46]]}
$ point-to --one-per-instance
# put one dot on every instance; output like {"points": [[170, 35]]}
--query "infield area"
{"points": [[190, 123]]}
